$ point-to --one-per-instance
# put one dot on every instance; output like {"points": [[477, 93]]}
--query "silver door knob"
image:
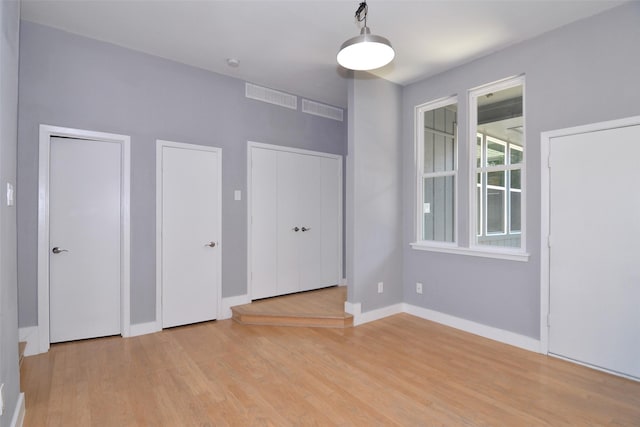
{"points": [[306, 229], [211, 244], [296, 229], [57, 250]]}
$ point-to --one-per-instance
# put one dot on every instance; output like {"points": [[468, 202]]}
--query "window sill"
{"points": [[475, 251]]}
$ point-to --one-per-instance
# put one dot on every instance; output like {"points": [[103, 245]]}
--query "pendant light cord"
{"points": [[363, 8]]}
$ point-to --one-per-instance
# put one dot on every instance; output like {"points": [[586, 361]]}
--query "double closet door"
{"points": [[295, 220]]}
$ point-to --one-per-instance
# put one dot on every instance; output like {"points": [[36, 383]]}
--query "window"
{"points": [[436, 148], [497, 121]]}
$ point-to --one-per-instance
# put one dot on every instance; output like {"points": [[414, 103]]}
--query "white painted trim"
{"points": [[377, 314], [229, 302], [46, 132], [160, 144], [253, 144], [29, 335], [18, 413], [138, 329], [354, 308], [545, 192], [343, 282], [485, 252], [500, 335]]}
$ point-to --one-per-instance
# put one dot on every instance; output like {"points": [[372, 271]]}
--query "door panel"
{"points": [[331, 245], [594, 270], [85, 222], [288, 219], [190, 218], [264, 274], [310, 219]]}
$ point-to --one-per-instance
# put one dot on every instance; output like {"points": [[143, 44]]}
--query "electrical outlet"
{"points": [[380, 287], [418, 287]]}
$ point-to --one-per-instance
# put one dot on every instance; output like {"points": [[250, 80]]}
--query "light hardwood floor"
{"points": [[401, 371]]}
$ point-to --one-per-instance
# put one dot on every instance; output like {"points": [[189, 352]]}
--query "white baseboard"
{"points": [[31, 336], [18, 413], [138, 329], [229, 302], [485, 331], [343, 282], [377, 314], [354, 308]]}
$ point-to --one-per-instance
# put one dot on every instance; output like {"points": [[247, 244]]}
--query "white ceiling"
{"points": [[291, 45]]}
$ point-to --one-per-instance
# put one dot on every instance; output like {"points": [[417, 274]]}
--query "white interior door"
{"points": [[84, 233], [190, 239], [595, 230]]}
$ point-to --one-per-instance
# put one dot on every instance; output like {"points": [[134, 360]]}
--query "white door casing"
{"points": [[189, 233], [590, 279], [44, 243]]}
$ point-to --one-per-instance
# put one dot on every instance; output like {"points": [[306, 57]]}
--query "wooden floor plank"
{"points": [[401, 370]]}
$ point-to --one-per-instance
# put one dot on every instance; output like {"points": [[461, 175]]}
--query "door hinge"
{"points": [[548, 320], [549, 161], [549, 241]]}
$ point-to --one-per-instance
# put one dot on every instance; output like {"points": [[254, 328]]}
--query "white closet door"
{"points": [[288, 223], [264, 215], [310, 219], [594, 268], [190, 235]]}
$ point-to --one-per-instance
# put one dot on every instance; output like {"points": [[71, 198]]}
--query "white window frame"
{"points": [[420, 174], [494, 251]]}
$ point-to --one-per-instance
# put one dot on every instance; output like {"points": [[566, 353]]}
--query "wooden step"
{"points": [[322, 308]]}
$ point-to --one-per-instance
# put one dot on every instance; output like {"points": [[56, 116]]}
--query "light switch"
{"points": [[237, 195], [427, 208], [10, 194]]}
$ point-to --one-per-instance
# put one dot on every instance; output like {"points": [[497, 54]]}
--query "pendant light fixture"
{"points": [[366, 51]]}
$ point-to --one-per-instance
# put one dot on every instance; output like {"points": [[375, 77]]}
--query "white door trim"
{"points": [[545, 189], [46, 132], [160, 144], [253, 144]]}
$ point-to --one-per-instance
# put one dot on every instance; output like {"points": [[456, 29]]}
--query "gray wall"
{"points": [[374, 182], [72, 81], [583, 73], [9, 372]]}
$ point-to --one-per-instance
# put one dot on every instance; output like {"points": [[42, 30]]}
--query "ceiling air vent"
{"points": [[323, 110], [271, 96]]}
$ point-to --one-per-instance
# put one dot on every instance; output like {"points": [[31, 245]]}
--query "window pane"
{"points": [[515, 179], [438, 212], [439, 139], [516, 154], [496, 178], [500, 124], [495, 211], [515, 211], [495, 153]]}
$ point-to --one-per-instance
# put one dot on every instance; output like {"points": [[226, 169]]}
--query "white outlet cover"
{"points": [[237, 195]]}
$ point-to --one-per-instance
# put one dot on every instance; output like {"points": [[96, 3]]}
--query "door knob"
{"points": [[296, 229], [57, 250], [306, 229], [211, 244]]}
